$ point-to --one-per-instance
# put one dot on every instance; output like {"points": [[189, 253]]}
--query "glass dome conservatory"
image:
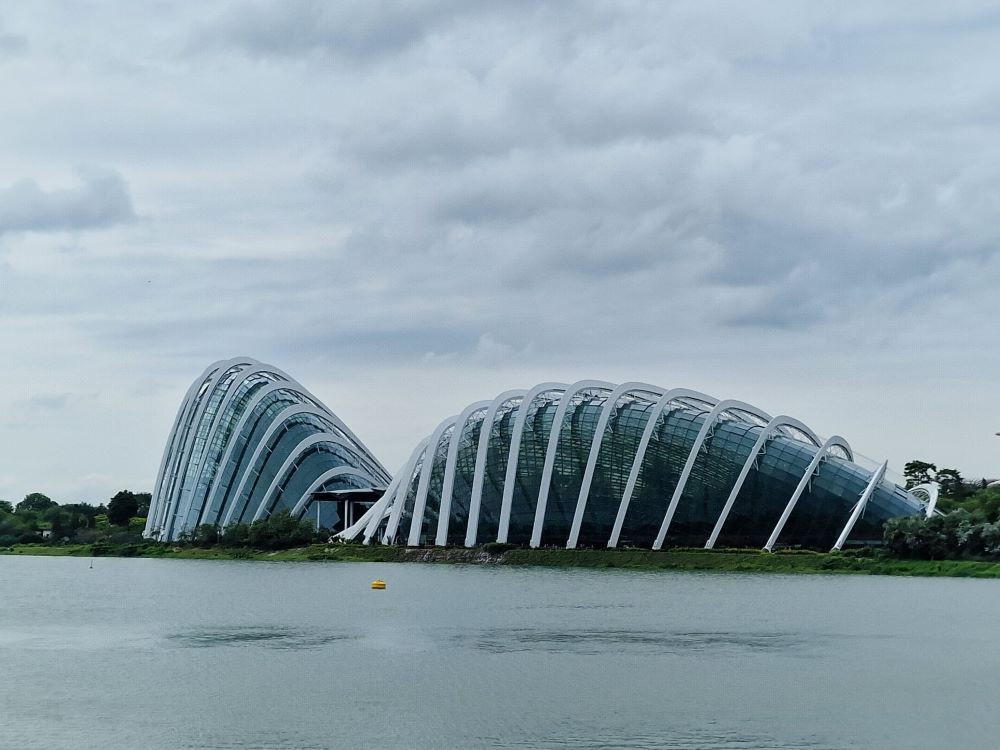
{"points": [[591, 464], [596, 464], [249, 441]]}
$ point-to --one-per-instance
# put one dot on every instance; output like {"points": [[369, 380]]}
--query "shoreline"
{"points": [[738, 561]]}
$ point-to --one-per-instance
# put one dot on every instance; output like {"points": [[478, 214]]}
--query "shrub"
{"points": [[498, 548]]}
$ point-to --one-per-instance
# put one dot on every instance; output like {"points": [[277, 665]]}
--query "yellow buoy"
{"points": [[378, 583]]}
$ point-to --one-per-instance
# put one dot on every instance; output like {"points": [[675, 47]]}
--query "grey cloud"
{"points": [[462, 193], [101, 200], [12, 45], [352, 29]]}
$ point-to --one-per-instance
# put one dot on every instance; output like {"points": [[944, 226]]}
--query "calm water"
{"points": [[186, 654]]}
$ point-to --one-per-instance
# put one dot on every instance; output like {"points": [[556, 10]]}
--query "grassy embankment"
{"points": [[744, 561]]}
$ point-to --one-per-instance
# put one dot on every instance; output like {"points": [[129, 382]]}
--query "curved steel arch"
{"points": [[328, 438], [326, 476], [187, 500], [709, 425], [482, 453], [510, 478], [405, 480], [211, 499], [420, 501], [448, 486], [279, 421], [859, 508], [821, 454], [176, 442], [552, 447], [378, 509], [191, 430], [610, 407], [168, 451], [257, 369], [666, 399], [769, 432], [928, 494]]}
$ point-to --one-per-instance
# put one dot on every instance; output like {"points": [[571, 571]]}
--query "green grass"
{"points": [[743, 561]]}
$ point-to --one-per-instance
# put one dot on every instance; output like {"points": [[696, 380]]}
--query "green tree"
{"points": [[236, 535], [34, 502], [951, 484], [206, 535], [6, 507], [918, 472], [122, 507]]}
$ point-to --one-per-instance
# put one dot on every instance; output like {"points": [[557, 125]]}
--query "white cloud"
{"points": [[784, 202]]}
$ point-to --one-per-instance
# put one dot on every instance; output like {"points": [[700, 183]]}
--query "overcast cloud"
{"points": [[413, 205]]}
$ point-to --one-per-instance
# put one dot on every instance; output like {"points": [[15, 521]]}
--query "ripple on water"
{"points": [[709, 738], [505, 640], [276, 637]]}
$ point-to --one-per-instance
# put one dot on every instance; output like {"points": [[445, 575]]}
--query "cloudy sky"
{"points": [[413, 205]]}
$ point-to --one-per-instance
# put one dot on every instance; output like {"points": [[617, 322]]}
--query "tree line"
{"points": [[968, 527], [38, 518]]}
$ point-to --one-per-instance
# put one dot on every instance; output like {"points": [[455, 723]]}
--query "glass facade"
{"points": [[248, 442], [588, 465], [694, 454]]}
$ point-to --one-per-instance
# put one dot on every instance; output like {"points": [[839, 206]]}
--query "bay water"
{"points": [[146, 653]]}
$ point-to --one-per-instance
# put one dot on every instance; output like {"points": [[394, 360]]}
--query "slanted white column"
{"points": [[420, 501], [706, 428], [553, 446], [510, 479], [610, 407], [647, 434], [803, 483], [405, 480], [482, 454], [759, 447], [448, 485], [860, 506]]}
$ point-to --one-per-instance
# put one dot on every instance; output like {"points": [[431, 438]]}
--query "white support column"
{"points": [[405, 480], [448, 484], [706, 428], [647, 434], [766, 434], [164, 496], [420, 502], [836, 440], [482, 454], [168, 454], [196, 505], [928, 493], [179, 476], [860, 506], [610, 407], [553, 446], [378, 510], [510, 479]]}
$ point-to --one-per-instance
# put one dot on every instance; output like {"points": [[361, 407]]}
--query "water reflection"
{"points": [[277, 637], [710, 738], [583, 641]]}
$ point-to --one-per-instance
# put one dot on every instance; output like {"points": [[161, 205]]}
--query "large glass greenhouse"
{"points": [[589, 464]]}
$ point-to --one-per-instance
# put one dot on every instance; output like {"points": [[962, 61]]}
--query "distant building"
{"points": [[248, 442], [590, 464]]}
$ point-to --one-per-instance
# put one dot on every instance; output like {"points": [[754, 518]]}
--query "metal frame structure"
{"points": [[767, 434], [210, 423], [821, 455], [444, 445]]}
